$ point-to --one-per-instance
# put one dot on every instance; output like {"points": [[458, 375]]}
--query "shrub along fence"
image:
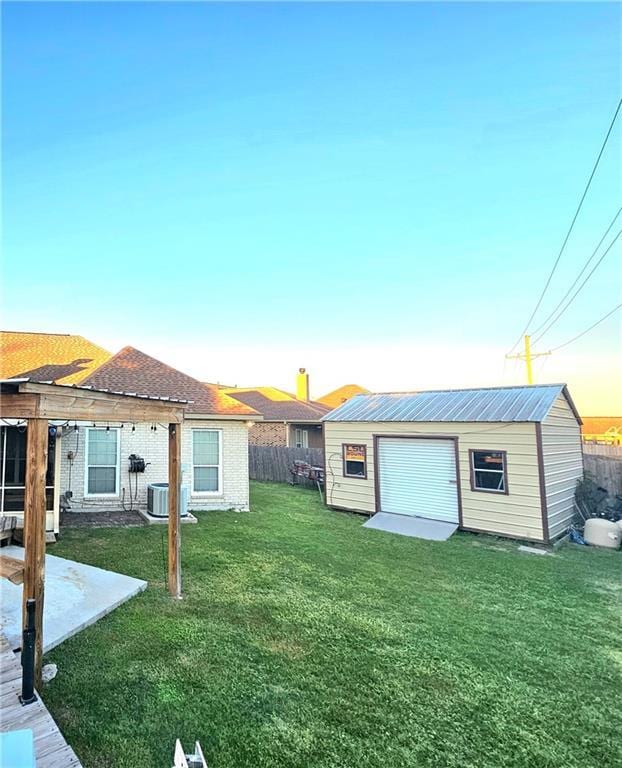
{"points": [[606, 471], [273, 463]]}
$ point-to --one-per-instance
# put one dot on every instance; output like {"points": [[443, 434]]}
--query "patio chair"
{"points": [[302, 469], [8, 524]]}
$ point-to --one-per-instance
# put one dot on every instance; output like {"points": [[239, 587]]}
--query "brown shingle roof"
{"points": [[277, 405], [339, 396], [58, 357], [131, 370]]}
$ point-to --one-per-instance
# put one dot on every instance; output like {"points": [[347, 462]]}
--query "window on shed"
{"points": [[489, 471], [354, 460], [206, 460]]}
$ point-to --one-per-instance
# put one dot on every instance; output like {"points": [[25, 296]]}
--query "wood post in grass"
{"points": [[174, 496], [34, 530]]}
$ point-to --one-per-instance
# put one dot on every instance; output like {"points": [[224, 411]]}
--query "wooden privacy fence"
{"points": [[273, 463], [596, 449], [605, 471]]}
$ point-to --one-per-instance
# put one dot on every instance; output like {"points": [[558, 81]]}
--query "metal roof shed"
{"points": [[503, 460], [36, 404]]}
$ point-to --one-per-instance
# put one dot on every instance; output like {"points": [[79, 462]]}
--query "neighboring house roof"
{"points": [[277, 405], [341, 395], [497, 404], [131, 370], [598, 425], [59, 357]]}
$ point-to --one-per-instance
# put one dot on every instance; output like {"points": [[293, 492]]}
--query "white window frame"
{"points": [[117, 478], [304, 435], [219, 491]]}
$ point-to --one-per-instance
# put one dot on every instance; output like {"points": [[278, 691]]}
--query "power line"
{"points": [[587, 330], [580, 288], [561, 250], [578, 277]]}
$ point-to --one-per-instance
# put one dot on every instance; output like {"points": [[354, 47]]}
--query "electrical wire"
{"points": [[579, 289], [578, 277], [574, 219], [587, 330]]}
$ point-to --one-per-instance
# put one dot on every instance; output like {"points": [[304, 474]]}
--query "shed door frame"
{"points": [[397, 435]]}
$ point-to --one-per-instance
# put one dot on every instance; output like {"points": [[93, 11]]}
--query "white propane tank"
{"points": [[602, 533]]}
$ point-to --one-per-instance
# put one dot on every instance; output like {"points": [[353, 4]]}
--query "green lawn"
{"points": [[305, 640]]}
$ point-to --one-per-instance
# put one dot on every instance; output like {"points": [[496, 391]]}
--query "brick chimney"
{"points": [[302, 384]]}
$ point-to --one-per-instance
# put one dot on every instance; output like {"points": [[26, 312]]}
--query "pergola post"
{"points": [[174, 498], [34, 529]]}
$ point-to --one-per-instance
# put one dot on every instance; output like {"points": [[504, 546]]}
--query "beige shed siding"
{"points": [[562, 457], [517, 514]]}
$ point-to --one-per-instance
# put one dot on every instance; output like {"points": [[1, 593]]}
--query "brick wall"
{"points": [[153, 447], [268, 433]]}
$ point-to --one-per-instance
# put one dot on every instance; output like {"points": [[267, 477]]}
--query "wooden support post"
{"points": [[174, 498], [34, 529]]}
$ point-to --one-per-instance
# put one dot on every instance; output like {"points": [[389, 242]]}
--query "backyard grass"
{"points": [[305, 640]]}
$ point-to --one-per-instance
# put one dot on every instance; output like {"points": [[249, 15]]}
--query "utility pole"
{"points": [[527, 356]]}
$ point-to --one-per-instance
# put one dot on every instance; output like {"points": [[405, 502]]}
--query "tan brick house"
{"points": [[89, 462], [287, 420]]}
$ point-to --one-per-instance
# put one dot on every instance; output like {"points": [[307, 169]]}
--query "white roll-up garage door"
{"points": [[418, 477]]}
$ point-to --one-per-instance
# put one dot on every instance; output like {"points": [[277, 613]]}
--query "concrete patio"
{"points": [[76, 595]]}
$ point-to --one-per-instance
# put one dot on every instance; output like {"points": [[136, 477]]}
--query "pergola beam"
{"points": [[48, 401]]}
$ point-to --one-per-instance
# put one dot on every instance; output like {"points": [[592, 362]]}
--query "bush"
{"points": [[594, 501]]}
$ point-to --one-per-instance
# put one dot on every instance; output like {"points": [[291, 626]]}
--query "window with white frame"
{"points": [[301, 438], [102, 461], [206, 460]]}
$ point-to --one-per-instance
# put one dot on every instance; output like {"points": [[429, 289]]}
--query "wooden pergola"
{"points": [[37, 404]]}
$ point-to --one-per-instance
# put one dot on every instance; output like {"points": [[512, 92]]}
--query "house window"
{"points": [[301, 439], [354, 460], [489, 471], [102, 461], [206, 460]]}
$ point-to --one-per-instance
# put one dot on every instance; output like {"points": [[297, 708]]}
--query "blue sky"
{"points": [[375, 191]]}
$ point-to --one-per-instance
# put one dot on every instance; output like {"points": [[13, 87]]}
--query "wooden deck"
{"points": [[51, 749]]}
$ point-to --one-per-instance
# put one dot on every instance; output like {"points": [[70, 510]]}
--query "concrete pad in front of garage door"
{"points": [[418, 527]]}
